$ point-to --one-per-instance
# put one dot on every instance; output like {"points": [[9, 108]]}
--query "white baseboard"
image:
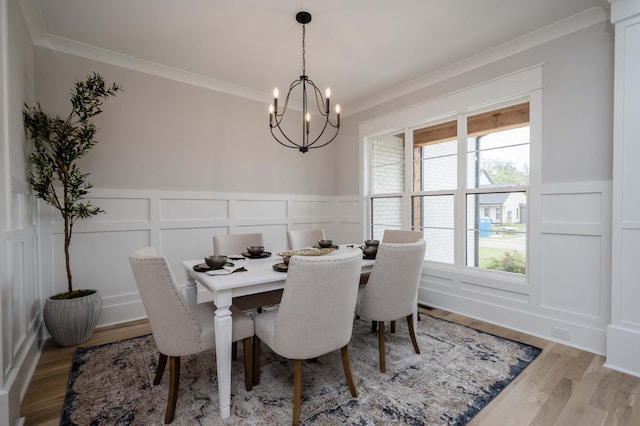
{"points": [[18, 382], [579, 336], [623, 350], [133, 310], [122, 313]]}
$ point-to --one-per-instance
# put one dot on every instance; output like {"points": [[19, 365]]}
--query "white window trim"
{"points": [[526, 83]]}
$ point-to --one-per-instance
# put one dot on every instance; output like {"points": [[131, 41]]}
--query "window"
{"points": [[467, 187], [386, 183]]}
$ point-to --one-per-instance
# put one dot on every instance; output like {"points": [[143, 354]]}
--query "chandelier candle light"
{"points": [[276, 117]]}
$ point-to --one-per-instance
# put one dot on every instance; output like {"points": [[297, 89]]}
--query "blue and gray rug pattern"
{"points": [[459, 371]]}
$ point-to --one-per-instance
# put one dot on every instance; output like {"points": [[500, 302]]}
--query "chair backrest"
{"points": [[401, 236], [392, 290], [316, 312], [304, 238], [232, 244], [175, 328]]}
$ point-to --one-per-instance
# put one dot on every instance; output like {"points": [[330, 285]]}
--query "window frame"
{"points": [[522, 86]]}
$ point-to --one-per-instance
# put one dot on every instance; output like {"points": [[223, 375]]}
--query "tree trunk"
{"points": [[67, 242]]}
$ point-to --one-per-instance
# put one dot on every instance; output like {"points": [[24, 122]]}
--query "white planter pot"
{"points": [[72, 321]]}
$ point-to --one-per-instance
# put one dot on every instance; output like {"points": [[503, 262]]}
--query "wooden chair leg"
{"points": [[393, 326], [346, 366], [174, 374], [374, 326], [383, 365], [256, 360], [234, 350], [297, 390], [162, 363], [412, 333], [247, 351]]}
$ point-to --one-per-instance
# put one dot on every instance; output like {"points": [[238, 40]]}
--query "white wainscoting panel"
{"points": [[490, 293], [187, 243], [350, 214], [181, 226], [350, 210], [630, 294], [327, 225], [572, 208], [99, 260], [119, 210], [437, 281], [20, 294], [569, 284], [261, 209], [311, 209], [190, 209]]}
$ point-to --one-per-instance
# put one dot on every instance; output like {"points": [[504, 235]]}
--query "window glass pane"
{"points": [[496, 231], [498, 158], [433, 215], [387, 164], [435, 157], [436, 167], [386, 213]]}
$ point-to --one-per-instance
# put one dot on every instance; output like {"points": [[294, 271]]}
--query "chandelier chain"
{"points": [[304, 45]]}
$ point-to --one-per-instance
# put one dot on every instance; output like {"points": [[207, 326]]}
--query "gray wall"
{"points": [[168, 135], [577, 105]]}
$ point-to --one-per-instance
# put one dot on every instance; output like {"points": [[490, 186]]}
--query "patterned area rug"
{"points": [[459, 371]]}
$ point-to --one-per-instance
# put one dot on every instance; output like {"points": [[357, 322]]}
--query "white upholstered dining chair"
{"points": [[235, 244], [304, 238], [179, 328], [401, 236], [393, 236], [315, 316], [392, 290], [398, 236]]}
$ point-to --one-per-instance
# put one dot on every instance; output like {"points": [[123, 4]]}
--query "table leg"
{"points": [[191, 291], [223, 327]]}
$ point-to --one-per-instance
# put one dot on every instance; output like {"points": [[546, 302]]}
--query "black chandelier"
{"points": [[322, 103]]}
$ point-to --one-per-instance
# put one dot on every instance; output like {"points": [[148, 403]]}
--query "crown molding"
{"points": [[33, 19], [624, 9], [40, 38], [130, 62]]}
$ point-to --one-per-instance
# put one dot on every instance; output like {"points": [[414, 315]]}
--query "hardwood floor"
{"points": [[564, 386], [42, 403]]}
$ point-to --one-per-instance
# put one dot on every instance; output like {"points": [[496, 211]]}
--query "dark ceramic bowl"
{"points": [[255, 250], [325, 243], [215, 261], [370, 251], [371, 243]]}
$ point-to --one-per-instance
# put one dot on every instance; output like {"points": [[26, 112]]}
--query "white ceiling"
{"points": [[366, 50]]}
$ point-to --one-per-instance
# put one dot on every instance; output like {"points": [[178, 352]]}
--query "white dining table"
{"points": [[259, 277]]}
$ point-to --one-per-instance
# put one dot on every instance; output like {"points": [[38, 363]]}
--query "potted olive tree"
{"points": [[58, 144]]}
